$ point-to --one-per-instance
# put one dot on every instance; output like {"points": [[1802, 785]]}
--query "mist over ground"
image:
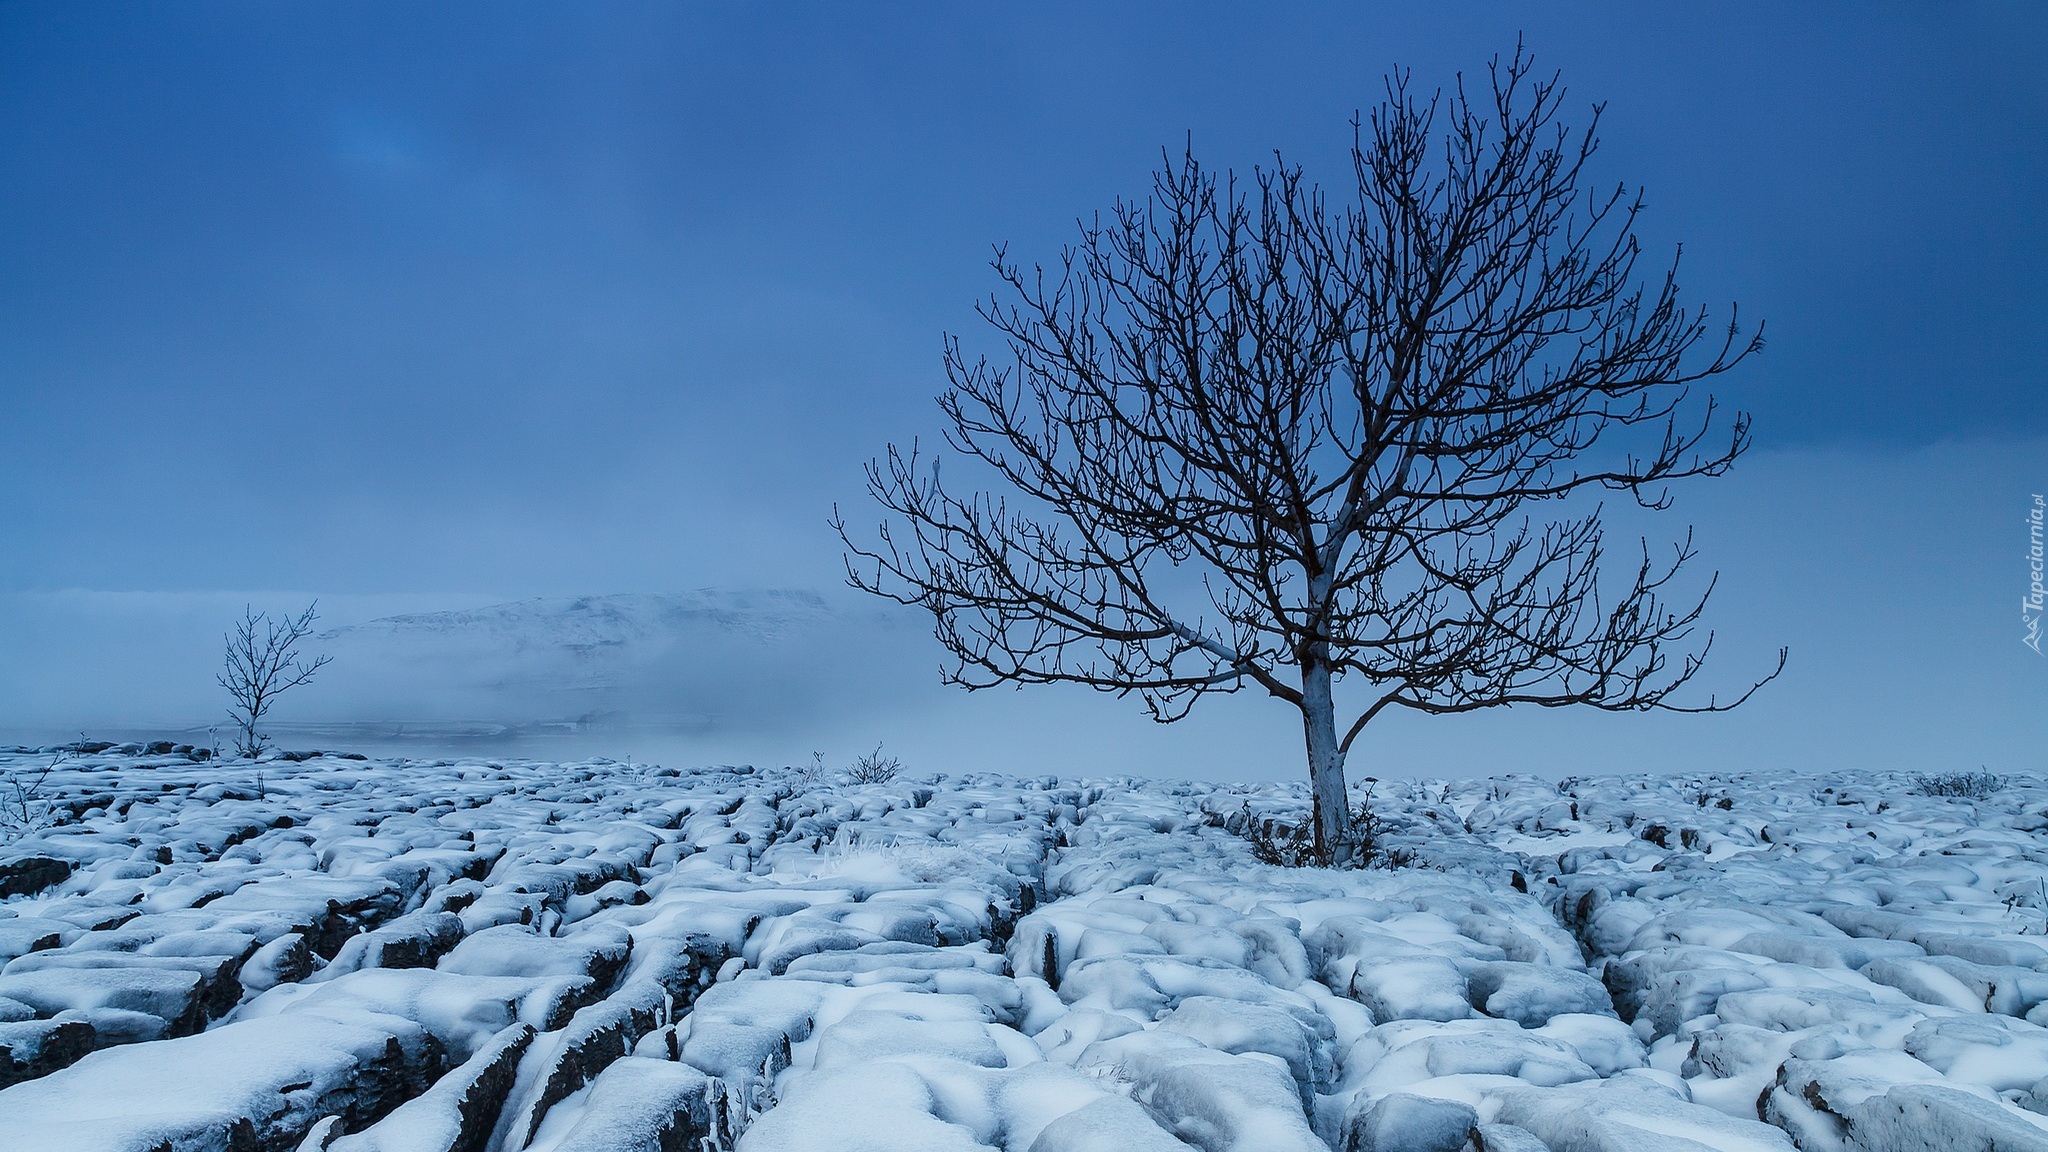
{"points": [[1901, 665]]}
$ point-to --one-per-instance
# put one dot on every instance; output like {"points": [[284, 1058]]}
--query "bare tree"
{"points": [[1248, 436], [262, 662]]}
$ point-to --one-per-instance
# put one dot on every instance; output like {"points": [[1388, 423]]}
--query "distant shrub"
{"points": [[1968, 785], [874, 768]]}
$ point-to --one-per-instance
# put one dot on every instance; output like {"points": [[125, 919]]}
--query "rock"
{"points": [[1631, 1113], [257, 1084], [458, 1113], [33, 1048], [1400, 1122], [1955, 982], [862, 1036], [416, 940], [28, 875], [462, 1013], [326, 909], [1985, 1051], [1506, 1138], [819, 1111], [596, 1037], [1980, 950], [172, 995], [1412, 988], [1874, 1100], [1824, 952], [22, 935], [516, 950], [284, 960], [642, 1105], [1530, 994], [217, 992], [1218, 1102], [1237, 1027], [1668, 986], [1111, 1124], [1933, 1118], [321, 1135]]}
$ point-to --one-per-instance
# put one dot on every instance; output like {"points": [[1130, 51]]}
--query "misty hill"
{"points": [[707, 660], [595, 627]]}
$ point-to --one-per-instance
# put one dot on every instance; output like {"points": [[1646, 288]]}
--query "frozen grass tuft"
{"points": [[919, 863], [1287, 845], [24, 809]]}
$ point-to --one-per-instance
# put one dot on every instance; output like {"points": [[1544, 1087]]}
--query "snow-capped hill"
{"points": [[702, 661], [587, 623]]}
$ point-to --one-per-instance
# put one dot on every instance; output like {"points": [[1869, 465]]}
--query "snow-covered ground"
{"points": [[489, 956]]}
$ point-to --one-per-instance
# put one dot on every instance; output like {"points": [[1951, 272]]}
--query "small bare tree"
{"points": [[1267, 439], [263, 661]]}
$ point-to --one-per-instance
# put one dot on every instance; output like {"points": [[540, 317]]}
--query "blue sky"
{"points": [[474, 301]]}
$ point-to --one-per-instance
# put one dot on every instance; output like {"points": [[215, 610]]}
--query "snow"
{"points": [[491, 956]]}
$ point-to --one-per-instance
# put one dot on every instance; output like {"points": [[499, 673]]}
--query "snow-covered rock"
{"points": [[482, 956]]}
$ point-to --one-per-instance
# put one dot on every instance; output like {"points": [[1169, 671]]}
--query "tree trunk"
{"points": [[1325, 761]]}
